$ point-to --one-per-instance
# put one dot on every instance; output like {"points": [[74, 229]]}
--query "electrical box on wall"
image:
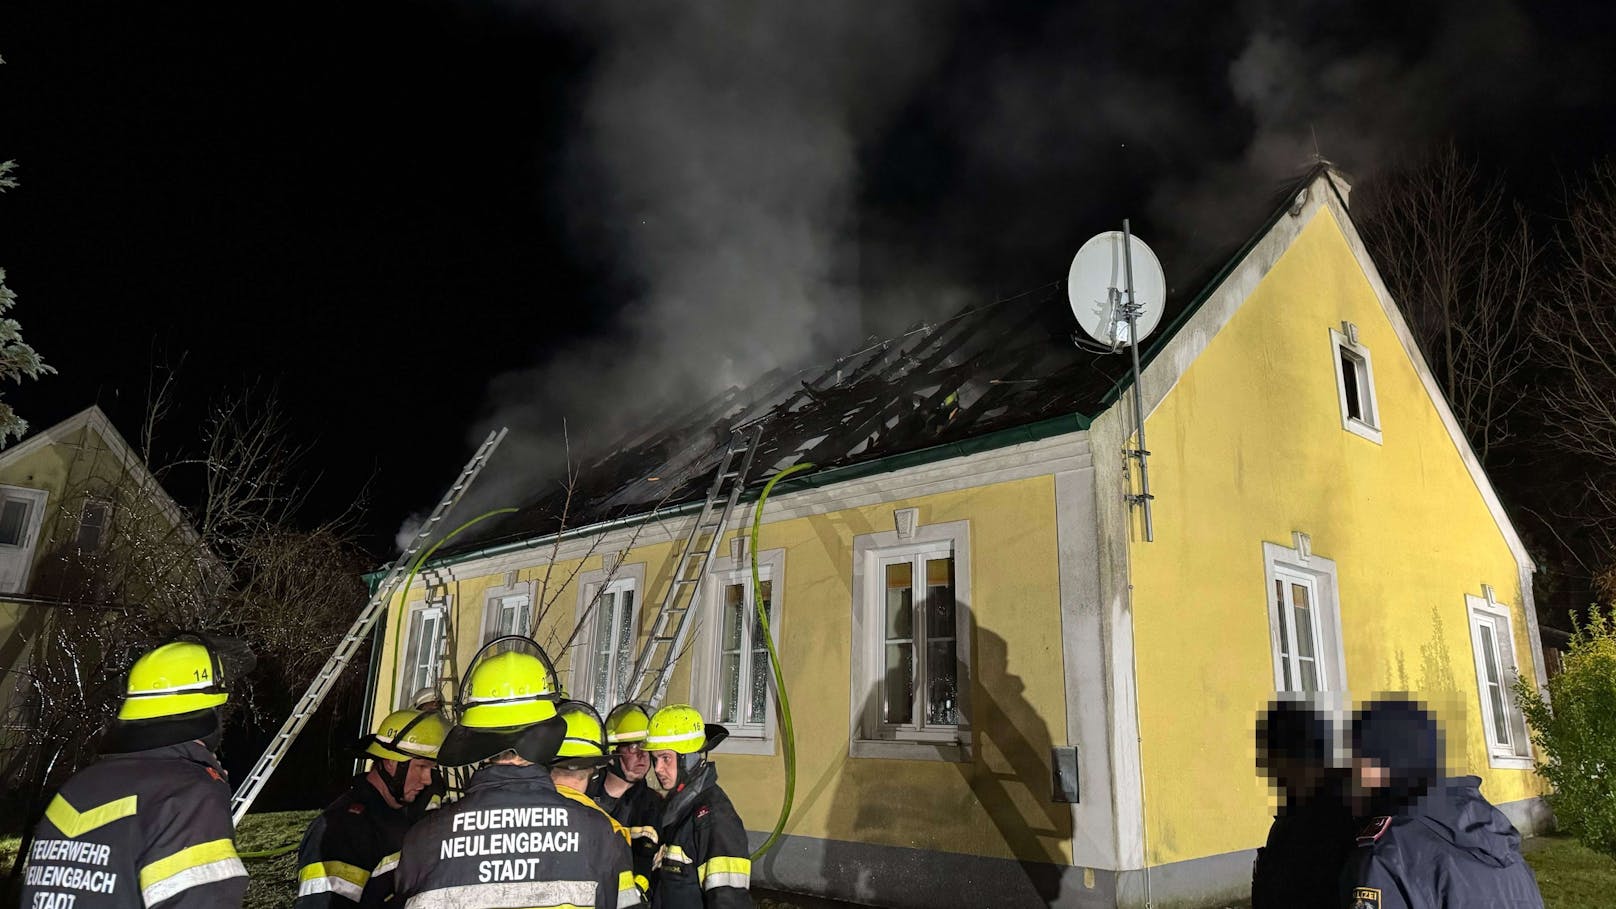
{"points": [[1063, 761]]}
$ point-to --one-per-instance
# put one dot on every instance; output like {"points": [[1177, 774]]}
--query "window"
{"points": [[508, 614], [920, 652], [1304, 619], [93, 521], [1355, 383], [612, 645], [423, 650], [912, 659], [1493, 641], [14, 514], [731, 680]]}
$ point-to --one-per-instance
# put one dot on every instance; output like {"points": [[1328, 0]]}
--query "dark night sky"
{"points": [[380, 207]]}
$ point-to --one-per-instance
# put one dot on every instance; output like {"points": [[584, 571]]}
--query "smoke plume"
{"points": [[767, 182], [716, 164]]}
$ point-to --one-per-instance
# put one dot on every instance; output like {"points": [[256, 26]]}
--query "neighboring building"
{"points": [[962, 596], [60, 493]]}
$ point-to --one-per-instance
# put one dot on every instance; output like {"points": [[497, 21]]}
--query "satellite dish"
{"points": [[1097, 287]]}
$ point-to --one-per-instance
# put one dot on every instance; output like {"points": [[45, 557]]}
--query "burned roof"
{"points": [[991, 367]]}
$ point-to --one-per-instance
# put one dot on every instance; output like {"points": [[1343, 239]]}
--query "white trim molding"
{"points": [[743, 738], [1367, 424], [1317, 574], [868, 737], [493, 595], [1492, 634]]}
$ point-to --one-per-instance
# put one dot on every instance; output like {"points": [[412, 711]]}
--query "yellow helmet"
{"points": [[628, 722], [507, 690], [177, 678], [408, 734], [584, 732], [677, 728]]}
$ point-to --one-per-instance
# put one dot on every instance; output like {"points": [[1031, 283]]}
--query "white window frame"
{"points": [[23, 549], [494, 603], [1284, 563], [868, 735], [409, 656], [745, 738], [1369, 428], [582, 653], [1517, 753]]}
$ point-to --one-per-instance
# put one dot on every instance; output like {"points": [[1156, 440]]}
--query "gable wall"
{"points": [[1248, 446]]}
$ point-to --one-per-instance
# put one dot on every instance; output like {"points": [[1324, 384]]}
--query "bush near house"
{"points": [[1575, 729]]}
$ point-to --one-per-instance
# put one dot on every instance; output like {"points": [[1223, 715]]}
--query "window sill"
{"points": [[746, 744], [1510, 762], [911, 750], [1361, 429]]}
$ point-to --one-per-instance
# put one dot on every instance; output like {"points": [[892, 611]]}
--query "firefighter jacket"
{"points": [[640, 810], [1307, 848], [513, 840], [704, 862], [343, 846], [1450, 849], [140, 830]]}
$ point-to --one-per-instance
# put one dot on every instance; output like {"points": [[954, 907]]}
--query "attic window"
{"points": [[1355, 383], [93, 522]]}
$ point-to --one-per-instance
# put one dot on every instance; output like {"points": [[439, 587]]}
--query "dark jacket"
{"points": [[1450, 849], [138, 831], [1308, 846], [344, 844], [513, 840], [640, 811], [704, 862]]}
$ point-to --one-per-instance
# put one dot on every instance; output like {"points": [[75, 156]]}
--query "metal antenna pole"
{"points": [[1140, 452]]}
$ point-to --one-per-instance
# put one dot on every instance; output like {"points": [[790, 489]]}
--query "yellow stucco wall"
{"points": [[1249, 447], [997, 805]]}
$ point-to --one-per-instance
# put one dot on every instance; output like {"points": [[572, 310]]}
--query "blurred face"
{"points": [[1368, 778], [667, 768], [418, 777], [635, 762]]}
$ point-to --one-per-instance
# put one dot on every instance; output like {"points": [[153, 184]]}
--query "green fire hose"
{"points": [[787, 731]]}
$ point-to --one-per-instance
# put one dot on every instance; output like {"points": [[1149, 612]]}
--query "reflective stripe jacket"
{"points": [[640, 810], [344, 844], [704, 862], [1449, 850], [138, 831], [513, 840]]}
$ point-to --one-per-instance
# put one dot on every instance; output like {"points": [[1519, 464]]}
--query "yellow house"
{"points": [[1004, 695], [60, 490]]}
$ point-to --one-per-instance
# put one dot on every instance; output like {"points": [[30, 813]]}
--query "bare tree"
{"points": [[125, 568], [1463, 265]]}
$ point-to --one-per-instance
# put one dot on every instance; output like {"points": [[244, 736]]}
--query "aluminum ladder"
{"points": [[357, 635], [671, 629]]}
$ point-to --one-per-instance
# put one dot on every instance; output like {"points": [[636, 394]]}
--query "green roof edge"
{"points": [[1001, 438]]}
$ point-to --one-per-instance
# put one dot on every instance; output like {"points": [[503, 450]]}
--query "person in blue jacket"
{"points": [[1427, 842]]}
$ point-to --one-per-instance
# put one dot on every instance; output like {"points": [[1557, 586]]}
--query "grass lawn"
{"points": [[1570, 876]]}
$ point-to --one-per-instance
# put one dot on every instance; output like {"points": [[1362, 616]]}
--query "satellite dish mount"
{"points": [[1115, 311]]}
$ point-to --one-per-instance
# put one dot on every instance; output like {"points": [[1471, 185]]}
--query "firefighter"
{"points": [[1433, 843], [578, 763], [350, 837], [704, 862], [148, 824], [623, 790], [511, 839]]}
